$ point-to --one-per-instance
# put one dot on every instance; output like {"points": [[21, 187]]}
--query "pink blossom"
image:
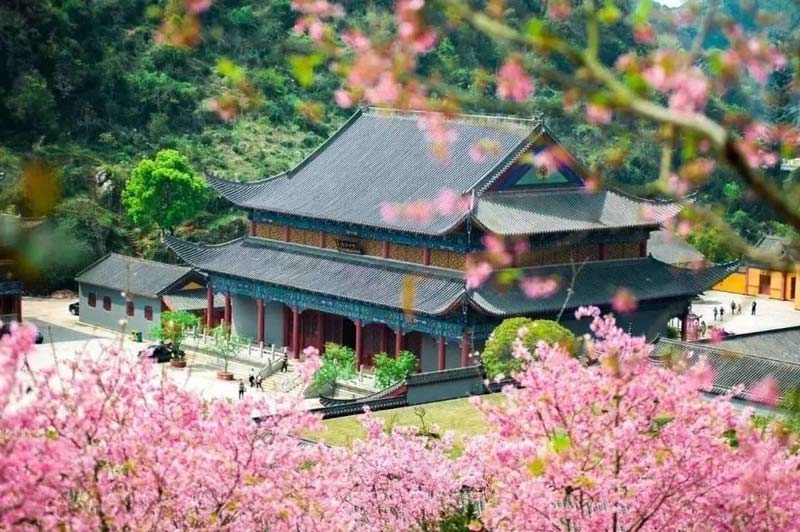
{"points": [[756, 145], [547, 159], [539, 287], [558, 9], [512, 81], [343, 98], [421, 212], [483, 149], [198, 6], [390, 212], [438, 132], [644, 34], [766, 391], [687, 86], [598, 114], [624, 301], [448, 203], [477, 274], [703, 375]]}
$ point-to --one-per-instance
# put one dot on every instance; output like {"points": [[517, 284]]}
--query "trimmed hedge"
{"points": [[497, 357]]}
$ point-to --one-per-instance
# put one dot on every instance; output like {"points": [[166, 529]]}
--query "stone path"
{"points": [[770, 313]]}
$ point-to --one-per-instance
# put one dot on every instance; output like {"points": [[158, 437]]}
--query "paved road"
{"points": [[55, 333], [770, 313]]}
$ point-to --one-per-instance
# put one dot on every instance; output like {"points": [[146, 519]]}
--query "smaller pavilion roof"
{"points": [[598, 283], [778, 344], [191, 299], [732, 368], [136, 276], [537, 212], [668, 247], [778, 248]]}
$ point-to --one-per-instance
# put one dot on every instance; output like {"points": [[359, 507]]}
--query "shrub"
{"points": [[389, 371], [338, 362], [497, 357], [172, 328]]}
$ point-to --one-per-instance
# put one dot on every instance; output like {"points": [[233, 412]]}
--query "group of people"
{"points": [[736, 309], [256, 380]]}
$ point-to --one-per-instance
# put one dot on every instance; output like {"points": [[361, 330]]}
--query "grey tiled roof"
{"points": [[780, 344], [382, 157], [366, 279], [732, 368], [779, 248], [597, 283], [133, 275], [191, 299], [672, 249], [531, 212]]}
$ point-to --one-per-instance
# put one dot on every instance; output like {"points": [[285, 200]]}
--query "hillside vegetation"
{"points": [[88, 92]]}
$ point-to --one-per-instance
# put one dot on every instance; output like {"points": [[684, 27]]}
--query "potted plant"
{"points": [[225, 344], [172, 331]]}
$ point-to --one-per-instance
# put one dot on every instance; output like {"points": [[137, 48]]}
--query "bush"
{"points": [[497, 358], [172, 328], [389, 371], [338, 362]]}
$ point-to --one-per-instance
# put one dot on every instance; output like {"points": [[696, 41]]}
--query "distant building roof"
{"points": [[732, 368], [135, 276], [779, 248], [667, 247], [191, 299], [789, 165], [597, 284], [537, 212], [381, 156]]}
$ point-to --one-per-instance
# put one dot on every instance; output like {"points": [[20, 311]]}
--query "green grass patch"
{"points": [[455, 415]]}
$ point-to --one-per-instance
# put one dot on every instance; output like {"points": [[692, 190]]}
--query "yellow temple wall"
{"points": [[735, 283]]}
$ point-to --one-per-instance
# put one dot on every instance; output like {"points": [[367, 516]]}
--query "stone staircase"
{"points": [[288, 382]]}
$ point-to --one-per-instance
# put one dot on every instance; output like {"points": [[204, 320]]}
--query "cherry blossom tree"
{"points": [[625, 445]]}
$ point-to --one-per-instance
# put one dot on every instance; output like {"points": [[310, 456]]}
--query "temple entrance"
{"points": [[793, 288], [763, 284]]}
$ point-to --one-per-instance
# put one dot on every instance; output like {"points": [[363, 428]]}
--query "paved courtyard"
{"points": [[770, 313], [66, 338]]}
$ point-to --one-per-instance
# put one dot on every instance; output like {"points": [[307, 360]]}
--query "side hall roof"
{"points": [[555, 211], [135, 276], [731, 368], [597, 283], [382, 156]]}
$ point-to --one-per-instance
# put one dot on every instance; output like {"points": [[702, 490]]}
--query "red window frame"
{"points": [[92, 299], [148, 313], [106, 303], [129, 308]]}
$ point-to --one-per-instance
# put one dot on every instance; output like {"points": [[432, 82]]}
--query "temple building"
{"points": [[323, 263]]}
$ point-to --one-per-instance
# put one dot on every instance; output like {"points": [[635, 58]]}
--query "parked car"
{"points": [[75, 308], [160, 352], [6, 329]]}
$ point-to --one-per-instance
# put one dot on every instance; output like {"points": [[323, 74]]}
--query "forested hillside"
{"points": [[87, 92]]}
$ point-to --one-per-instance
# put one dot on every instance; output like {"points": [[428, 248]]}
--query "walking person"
{"points": [[252, 378], [721, 312], [241, 389], [715, 313], [258, 382], [753, 309], [739, 309], [285, 363], [733, 307]]}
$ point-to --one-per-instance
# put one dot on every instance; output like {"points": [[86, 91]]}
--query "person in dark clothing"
{"points": [[285, 363], [715, 313], [258, 382], [739, 309], [252, 378], [241, 389], [733, 307], [753, 309], [721, 312]]}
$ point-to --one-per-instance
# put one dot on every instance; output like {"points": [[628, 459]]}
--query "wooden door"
{"points": [[764, 284]]}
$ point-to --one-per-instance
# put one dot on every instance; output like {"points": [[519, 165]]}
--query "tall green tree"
{"points": [[164, 192]]}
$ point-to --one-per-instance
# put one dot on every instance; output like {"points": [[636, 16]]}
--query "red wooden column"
{"points": [[323, 239], [684, 324], [398, 341], [320, 330], [603, 252], [209, 306], [19, 308], [426, 256], [441, 346], [359, 343], [252, 228], [260, 320], [643, 248], [465, 349], [384, 348], [228, 310], [385, 249], [296, 332]]}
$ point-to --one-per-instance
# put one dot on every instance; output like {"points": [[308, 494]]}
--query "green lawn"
{"points": [[455, 415]]}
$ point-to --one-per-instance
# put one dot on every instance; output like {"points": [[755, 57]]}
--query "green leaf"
{"points": [[609, 14], [303, 67], [642, 11], [535, 27], [560, 441], [537, 467]]}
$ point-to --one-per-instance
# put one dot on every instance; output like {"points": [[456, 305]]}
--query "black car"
{"points": [[6, 329], [75, 308], [160, 352]]}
